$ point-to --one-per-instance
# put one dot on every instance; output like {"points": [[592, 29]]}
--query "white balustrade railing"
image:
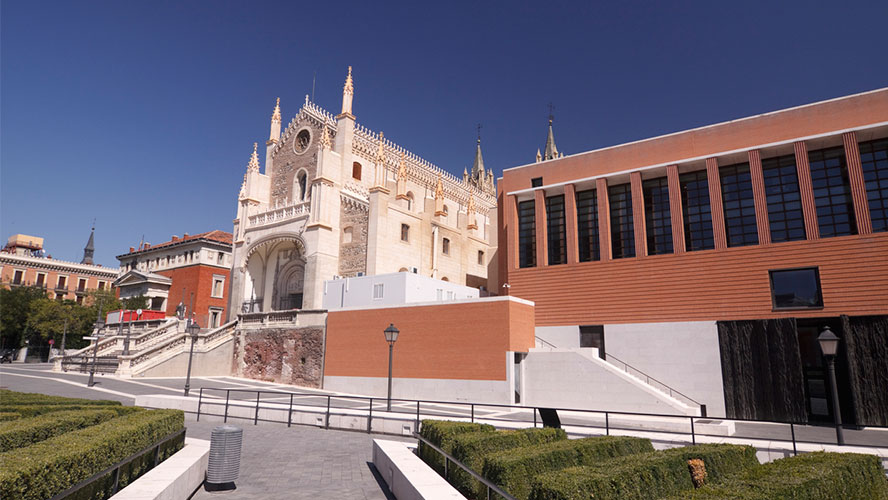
{"points": [[279, 214]]}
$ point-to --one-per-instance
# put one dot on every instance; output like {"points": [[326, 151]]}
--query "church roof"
{"points": [[89, 249], [217, 236]]}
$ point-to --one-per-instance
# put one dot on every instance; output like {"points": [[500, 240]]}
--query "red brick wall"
{"points": [[197, 279], [449, 341]]}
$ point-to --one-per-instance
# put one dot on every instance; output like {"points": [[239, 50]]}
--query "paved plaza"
{"points": [[277, 462]]}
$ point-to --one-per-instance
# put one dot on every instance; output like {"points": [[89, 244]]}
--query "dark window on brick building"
{"points": [[796, 288], [874, 161], [587, 225], [555, 231], [657, 217], [739, 205], [832, 192], [526, 234], [622, 227], [785, 215], [536, 182], [696, 211]]}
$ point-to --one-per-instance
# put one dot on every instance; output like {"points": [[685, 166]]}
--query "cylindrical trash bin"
{"points": [[225, 452]]}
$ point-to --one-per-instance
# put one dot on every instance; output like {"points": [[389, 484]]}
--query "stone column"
{"points": [[675, 210], [638, 222], [570, 223], [717, 209], [858, 186], [604, 237], [759, 197], [809, 209]]}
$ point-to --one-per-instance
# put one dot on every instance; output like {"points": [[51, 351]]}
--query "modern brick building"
{"points": [[712, 258], [170, 272]]}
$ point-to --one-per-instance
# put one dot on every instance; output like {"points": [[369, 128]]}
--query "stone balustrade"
{"points": [[279, 214]]}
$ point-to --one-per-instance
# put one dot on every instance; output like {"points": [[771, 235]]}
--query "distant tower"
{"points": [[479, 177], [551, 151], [90, 248]]}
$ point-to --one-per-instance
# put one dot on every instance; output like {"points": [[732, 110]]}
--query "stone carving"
{"points": [[353, 254]]}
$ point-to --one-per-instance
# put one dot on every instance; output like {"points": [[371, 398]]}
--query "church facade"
{"points": [[336, 200]]}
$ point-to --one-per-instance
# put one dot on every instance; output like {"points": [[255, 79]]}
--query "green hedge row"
{"points": [[28, 411], [441, 434], [645, 476], [812, 476], [51, 466], [12, 398], [471, 450], [514, 470], [25, 432], [6, 416]]}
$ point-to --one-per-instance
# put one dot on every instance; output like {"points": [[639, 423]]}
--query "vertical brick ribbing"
{"points": [[715, 204], [539, 205], [858, 186], [759, 196], [570, 222], [604, 236], [809, 210], [510, 212], [638, 222], [675, 212]]}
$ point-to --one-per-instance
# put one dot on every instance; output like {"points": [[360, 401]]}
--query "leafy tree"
{"points": [[15, 305], [134, 303], [47, 318]]}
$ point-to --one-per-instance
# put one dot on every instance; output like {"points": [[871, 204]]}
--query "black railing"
{"points": [[115, 469], [416, 410], [449, 458]]}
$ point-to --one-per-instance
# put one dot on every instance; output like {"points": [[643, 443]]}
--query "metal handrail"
{"points": [[648, 378], [448, 457], [547, 343], [692, 419]]}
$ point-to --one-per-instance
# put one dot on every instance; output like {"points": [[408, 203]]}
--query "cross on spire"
{"points": [[551, 112], [479, 132]]}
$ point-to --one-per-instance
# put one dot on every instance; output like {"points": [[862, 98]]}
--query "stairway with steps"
{"points": [[150, 344]]}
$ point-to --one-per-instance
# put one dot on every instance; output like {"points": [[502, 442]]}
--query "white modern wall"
{"points": [[563, 337], [577, 378], [431, 389], [684, 356], [398, 288]]}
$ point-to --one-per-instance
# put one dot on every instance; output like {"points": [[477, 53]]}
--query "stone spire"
{"points": [[253, 166], [90, 248], [326, 142], [379, 177], [551, 150], [539, 156], [478, 165], [348, 93], [275, 133]]}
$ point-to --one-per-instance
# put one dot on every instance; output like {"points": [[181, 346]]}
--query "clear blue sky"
{"points": [[143, 114]]}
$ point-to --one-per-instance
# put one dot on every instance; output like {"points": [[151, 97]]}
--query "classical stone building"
{"points": [[337, 200]]}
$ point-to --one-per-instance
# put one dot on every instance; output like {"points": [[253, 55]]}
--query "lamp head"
{"points": [[391, 333], [829, 343]]}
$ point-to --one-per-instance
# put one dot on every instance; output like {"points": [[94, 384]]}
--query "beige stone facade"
{"points": [[337, 200]]}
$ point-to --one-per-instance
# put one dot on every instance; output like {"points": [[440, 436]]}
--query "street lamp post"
{"points": [[391, 335], [64, 336], [193, 329], [99, 325], [829, 344]]}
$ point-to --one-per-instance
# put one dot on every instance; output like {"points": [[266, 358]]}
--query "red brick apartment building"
{"points": [[712, 258], [169, 273]]}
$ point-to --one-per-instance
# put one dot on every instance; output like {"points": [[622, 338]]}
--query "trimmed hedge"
{"points": [[25, 432], [12, 398], [51, 466], [6, 416], [812, 476], [441, 434], [514, 470], [27, 411], [471, 450], [645, 476]]}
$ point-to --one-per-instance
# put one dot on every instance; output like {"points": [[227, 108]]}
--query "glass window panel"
{"points": [[796, 288], [526, 234], [555, 229], [657, 216], [832, 192], [739, 205], [697, 212], [874, 161], [622, 229], [587, 225]]}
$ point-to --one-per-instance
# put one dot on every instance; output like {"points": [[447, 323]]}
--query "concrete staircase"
{"points": [[150, 344]]}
